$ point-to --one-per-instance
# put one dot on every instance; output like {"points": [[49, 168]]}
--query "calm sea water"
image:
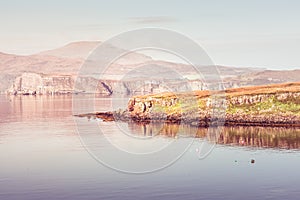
{"points": [[43, 157]]}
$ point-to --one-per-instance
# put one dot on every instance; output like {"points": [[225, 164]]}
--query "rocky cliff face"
{"points": [[32, 83], [35, 83]]}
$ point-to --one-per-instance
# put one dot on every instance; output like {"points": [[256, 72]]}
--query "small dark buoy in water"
{"points": [[252, 161]]}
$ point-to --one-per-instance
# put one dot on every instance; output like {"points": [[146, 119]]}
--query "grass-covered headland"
{"points": [[269, 105]]}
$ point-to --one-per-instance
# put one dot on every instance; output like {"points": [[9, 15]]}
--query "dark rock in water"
{"points": [[105, 116], [252, 161]]}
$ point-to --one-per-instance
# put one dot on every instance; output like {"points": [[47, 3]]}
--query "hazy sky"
{"points": [[261, 33]]}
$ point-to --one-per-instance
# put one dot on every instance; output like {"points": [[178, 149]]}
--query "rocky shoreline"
{"points": [[229, 120], [271, 105]]}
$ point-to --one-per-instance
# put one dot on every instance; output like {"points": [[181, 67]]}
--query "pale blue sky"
{"points": [[258, 33]]}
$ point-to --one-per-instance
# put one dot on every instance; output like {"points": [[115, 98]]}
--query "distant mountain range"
{"points": [[263, 77], [68, 60]]}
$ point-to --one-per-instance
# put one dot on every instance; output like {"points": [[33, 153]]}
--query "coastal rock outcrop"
{"points": [[270, 105]]}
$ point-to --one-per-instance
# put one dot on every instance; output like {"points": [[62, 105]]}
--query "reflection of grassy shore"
{"points": [[267, 137]]}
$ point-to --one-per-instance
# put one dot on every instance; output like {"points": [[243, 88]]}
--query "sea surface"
{"points": [[47, 153]]}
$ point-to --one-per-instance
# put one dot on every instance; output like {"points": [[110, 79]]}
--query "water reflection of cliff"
{"points": [[265, 137], [35, 108]]}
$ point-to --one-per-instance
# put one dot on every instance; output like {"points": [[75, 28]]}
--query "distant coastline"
{"points": [[56, 71]]}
